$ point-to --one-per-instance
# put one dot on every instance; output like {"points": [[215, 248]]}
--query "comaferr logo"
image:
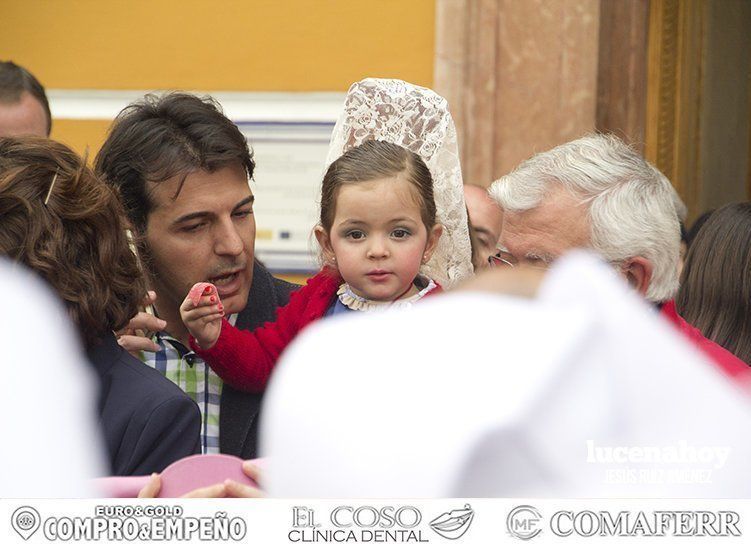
{"points": [[660, 523], [452, 525], [524, 522]]}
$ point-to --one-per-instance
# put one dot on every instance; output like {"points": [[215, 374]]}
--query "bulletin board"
{"points": [[290, 160]]}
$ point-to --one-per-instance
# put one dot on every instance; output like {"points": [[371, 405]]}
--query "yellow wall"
{"points": [[85, 136], [233, 45], [226, 45]]}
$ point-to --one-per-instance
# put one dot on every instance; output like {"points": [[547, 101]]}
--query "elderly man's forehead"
{"points": [[559, 222]]}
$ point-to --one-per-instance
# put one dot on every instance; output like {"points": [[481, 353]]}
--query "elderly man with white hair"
{"points": [[598, 193]]}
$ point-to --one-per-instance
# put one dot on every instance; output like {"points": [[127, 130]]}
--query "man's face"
{"points": [[207, 234], [485, 219], [26, 117], [540, 235]]}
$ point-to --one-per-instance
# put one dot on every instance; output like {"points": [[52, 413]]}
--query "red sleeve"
{"points": [[245, 359]]}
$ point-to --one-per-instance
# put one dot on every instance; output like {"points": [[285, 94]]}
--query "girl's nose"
{"points": [[378, 249]]}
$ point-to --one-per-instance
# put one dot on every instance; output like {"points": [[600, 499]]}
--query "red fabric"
{"points": [[728, 362], [245, 359]]}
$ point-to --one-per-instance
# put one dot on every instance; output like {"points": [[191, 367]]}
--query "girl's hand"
{"points": [[204, 318]]}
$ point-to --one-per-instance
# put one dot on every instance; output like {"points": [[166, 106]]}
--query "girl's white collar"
{"points": [[356, 302]]}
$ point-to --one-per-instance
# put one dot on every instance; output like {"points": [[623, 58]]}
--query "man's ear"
{"points": [[638, 273], [434, 235], [325, 242]]}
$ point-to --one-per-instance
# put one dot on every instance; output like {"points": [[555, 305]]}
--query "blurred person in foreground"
{"points": [[581, 366], [485, 219], [598, 193], [715, 292], [53, 447], [62, 222], [24, 109]]}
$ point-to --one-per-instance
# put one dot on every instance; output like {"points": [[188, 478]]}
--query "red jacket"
{"points": [[728, 362], [245, 359]]}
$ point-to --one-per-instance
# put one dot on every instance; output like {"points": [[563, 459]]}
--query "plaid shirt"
{"points": [[190, 373]]}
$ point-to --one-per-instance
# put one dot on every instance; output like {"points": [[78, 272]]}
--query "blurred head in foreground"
{"points": [[583, 368]]}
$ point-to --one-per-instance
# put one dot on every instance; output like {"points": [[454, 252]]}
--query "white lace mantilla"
{"points": [[418, 119]]}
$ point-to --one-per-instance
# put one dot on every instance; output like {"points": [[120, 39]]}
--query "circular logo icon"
{"points": [[25, 521], [524, 522]]}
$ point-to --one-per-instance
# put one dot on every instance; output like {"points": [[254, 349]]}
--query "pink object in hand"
{"points": [[121, 487], [196, 292], [181, 477], [197, 471]]}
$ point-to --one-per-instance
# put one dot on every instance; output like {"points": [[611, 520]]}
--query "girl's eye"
{"points": [[355, 234], [400, 233]]}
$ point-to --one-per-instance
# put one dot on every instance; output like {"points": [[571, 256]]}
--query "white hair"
{"points": [[632, 210]]}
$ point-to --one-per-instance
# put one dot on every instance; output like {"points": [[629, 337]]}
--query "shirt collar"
{"points": [[185, 353]]}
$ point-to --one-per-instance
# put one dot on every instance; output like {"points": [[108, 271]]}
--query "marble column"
{"points": [[520, 77]]}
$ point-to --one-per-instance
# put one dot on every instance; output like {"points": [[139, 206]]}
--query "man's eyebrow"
{"points": [[204, 214], [244, 202], [541, 256], [191, 216]]}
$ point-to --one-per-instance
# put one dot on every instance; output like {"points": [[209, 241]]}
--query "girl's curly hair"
{"points": [[71, 232]]}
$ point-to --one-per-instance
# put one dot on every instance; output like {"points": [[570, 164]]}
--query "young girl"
{"points": [[377, 227]]}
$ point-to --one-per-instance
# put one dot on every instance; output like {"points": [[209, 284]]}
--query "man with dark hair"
{"points": [[24, 110], [182, 169]]}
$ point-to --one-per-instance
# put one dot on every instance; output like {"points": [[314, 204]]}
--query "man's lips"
{"points": [[228, 283]]}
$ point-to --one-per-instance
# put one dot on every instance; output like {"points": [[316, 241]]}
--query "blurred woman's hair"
{"points": [[715, 292], [64, 223]]}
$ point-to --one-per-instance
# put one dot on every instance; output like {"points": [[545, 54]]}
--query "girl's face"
{"points": [[377, 239]]}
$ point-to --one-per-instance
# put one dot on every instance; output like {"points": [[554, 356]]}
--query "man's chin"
{"points": [[232, 305], [235, 302]]}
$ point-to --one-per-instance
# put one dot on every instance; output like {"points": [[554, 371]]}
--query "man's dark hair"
{"points": [[160, 137], [14, 80]]}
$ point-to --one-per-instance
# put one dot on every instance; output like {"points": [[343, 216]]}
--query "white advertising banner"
{"points": [[276, 521]]}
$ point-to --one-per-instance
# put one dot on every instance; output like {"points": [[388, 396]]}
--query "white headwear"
{"points": [[417, 119], [586, 367]]}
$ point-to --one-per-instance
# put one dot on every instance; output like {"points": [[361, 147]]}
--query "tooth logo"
{"points": [[25, 521], [452, 525]]}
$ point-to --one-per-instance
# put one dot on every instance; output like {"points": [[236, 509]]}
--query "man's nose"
{"points": [[227, 240]]}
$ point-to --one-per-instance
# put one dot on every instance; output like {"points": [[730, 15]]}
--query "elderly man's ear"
{"points": [[638, 273]]}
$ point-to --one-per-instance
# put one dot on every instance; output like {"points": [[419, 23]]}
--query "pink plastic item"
{"points": [[197, 471], [181, 477], [196, 292], [121, 487]]}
